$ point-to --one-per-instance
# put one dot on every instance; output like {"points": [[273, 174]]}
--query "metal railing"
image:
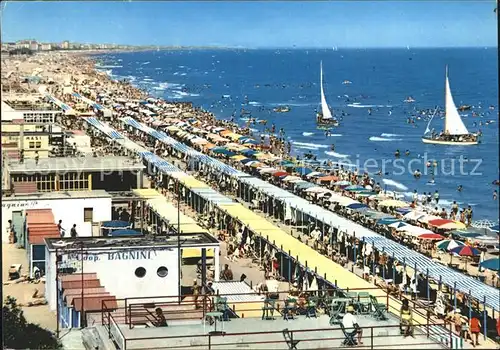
{"points": [[374, 337], [133, 311]]}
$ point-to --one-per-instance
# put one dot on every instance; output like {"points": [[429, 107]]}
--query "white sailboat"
{"points": [[455, 131], [325, 117]]}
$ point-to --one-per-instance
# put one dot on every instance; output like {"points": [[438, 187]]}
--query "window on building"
{"points": [[31, 144], [38, 144], [162, 271], [140, 272], [88, 214]]}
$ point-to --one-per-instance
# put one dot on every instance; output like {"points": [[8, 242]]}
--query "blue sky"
{"points": [[256, 24]]}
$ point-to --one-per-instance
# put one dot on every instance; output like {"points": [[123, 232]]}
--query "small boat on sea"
{"points": [[282, 109], [409, 99], [325, 117], [346, 82], [464, 108], [455, 132]]}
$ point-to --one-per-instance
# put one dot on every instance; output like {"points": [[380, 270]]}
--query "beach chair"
{"points": [[289, 309], [348, 337], [221, 306], [335, 317], [364, 303], [268, 309], [292, 344], [378, 309], [311, 308]]}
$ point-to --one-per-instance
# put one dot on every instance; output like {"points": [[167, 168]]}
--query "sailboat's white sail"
{"points": [[453, 123], [327, 114], [428, 129]]}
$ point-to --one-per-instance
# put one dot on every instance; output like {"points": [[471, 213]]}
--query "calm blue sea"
{"points": [[224, 81]]}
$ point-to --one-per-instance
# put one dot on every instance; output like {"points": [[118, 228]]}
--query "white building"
{"points": [[83, 208], [122, 267]]}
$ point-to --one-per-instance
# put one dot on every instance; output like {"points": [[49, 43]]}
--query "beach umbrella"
{"points": [[387, 221], [280, 173], [449, 244], [250, 142], [403, 210], [291, 178], [491, 264], [414, 215], [315, 174], [466, 233], [238, 157], [364, 194], [286, 163], [316, 189], [354, 188], [446, 224], [303, 171], [357, 206], [249, 152], [245, 161], [253, 163], [397, 224], [393, 203], [342, 183], [430, 236], [465, 251]]}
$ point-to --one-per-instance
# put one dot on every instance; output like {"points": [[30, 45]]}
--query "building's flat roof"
{"points": [[76, 164], [188, 240], [313, 333], [58, 195]]}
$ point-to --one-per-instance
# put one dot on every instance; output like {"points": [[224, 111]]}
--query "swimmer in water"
{"points": [[332, 147], [407, 153], [495, 195], [460, 188], [432, 181], [397, 154]]}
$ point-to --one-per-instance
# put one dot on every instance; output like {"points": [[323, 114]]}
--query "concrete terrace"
{"points": [[313, 333]]}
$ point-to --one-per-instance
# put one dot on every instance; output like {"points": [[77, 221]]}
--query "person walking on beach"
{"points": [[468, 215], [436, 196], [475, 329]]}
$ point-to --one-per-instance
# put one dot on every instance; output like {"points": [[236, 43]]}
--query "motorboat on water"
{"points": [[346, 82], [409, 99], [464, 108], [325, 117], [455, 132], [282, 109]]}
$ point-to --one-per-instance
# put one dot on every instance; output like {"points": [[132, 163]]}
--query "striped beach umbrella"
{"points": [[449, 244], [465, 251]]}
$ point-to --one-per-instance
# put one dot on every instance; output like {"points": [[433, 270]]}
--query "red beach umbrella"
{"points": [[280, 173], [465, 251], [440, 222], [430, 236]]}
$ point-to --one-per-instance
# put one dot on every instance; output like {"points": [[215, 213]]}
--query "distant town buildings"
{"points": [[34, 45]]}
